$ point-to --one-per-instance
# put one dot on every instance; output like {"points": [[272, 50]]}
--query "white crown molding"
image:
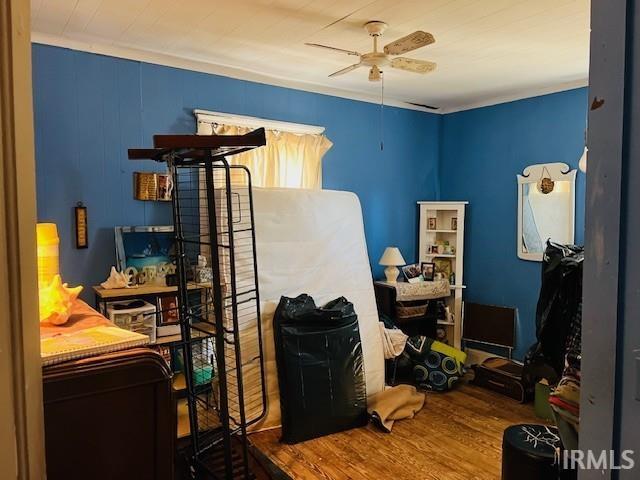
{"points": [[205, 67], [248, 75], [514, 97]]}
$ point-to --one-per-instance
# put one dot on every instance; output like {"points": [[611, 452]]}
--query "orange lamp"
{"points": [[55, 298], [48, 253]]}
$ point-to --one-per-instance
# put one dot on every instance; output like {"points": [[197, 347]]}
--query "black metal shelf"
{"points": [[213, 217]]}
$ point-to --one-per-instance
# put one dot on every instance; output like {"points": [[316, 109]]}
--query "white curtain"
{"points": [[287, 160]]}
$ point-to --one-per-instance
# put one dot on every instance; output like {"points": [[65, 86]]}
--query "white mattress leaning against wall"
{"points": [[312, 241]]}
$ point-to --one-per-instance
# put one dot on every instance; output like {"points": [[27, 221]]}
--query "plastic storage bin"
{"points": [[138, 319]]}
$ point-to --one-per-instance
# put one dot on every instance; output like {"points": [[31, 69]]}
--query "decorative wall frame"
{"points": [[546, 208]]}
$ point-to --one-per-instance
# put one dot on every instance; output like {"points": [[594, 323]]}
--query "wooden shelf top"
{"points": [[438, 230], [437, 203], [441, 255], [141, 290], [167, 340], [444, 322]]}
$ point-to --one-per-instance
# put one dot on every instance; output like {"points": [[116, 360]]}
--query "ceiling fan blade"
{"points": [[327, 47], [410, 42], [345, 70], [413, 65]]}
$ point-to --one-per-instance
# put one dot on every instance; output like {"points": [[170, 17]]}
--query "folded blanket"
{"points": [[565, 400], [394, 403], [393, 341]]}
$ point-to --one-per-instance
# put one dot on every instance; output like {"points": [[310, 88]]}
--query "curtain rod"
{"points": [[207, 116]]}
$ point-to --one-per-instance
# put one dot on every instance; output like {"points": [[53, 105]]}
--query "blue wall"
{"points": [[90, 108], [482, 151]]}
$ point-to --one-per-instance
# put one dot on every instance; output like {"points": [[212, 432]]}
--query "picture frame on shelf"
{"points": [[432, 223], [168, 310], [168, 316], [454, 223], [412, 273], [428, 270], [148, 249], [443, 266]]}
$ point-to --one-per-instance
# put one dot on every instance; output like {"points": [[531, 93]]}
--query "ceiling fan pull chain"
{"points": [[382, 112]]}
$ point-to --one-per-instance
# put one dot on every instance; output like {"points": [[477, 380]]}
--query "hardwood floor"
{"points": [[456, 436]]}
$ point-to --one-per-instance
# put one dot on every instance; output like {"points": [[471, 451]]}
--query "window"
{"points": [[289, 159]]}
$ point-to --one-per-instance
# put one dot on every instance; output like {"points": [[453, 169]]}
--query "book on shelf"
{"points": [[87, 343]]}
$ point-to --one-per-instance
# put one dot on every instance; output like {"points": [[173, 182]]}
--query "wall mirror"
{"points": [[546, 208]]}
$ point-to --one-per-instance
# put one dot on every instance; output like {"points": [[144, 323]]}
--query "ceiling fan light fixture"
{"points": [[375, 74]]}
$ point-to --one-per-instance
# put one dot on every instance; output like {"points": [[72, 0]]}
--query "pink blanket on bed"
{"points": [[82, 316]]}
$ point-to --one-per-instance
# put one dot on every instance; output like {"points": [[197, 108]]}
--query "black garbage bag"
{"points": [[320, 368], [558, 312]]}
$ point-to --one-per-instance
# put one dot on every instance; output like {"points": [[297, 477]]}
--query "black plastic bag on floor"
{"points": [[320, 368], [558, 312]]}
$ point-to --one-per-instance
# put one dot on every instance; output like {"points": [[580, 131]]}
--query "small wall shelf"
{"points": [[446, 220]]}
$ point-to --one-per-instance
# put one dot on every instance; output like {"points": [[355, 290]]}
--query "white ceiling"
{"points": [[487, 50]]}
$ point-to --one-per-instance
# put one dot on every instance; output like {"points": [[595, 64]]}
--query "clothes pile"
{"points": [[557, 353]]}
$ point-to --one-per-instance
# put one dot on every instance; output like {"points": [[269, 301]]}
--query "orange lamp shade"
{"points": [[48, 253]]}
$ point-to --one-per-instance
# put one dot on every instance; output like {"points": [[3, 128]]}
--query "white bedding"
{"points": [[313, 242]]}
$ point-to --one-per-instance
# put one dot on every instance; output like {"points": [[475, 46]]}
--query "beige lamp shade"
{"points": [[392, 257]]}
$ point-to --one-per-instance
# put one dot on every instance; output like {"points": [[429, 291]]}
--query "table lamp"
{"points": [[48, 255], [55, 298], [392, 258]]}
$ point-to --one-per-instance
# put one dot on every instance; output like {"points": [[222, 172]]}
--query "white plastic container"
{"points": [[140, 319]]}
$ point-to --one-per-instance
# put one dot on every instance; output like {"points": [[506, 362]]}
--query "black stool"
{"points": [[529, 453]]}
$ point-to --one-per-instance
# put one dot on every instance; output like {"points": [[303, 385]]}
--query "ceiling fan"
{"points": [[377, 60]]}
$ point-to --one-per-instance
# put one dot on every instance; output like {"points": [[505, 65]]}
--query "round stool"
{"points": [[529, 453]]}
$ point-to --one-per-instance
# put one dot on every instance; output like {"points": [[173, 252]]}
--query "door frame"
{"points": [[21, 420], [21, 411], [602, 288]]}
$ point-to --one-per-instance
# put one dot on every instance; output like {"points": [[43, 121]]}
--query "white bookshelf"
{"points": [[443, 213]]}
